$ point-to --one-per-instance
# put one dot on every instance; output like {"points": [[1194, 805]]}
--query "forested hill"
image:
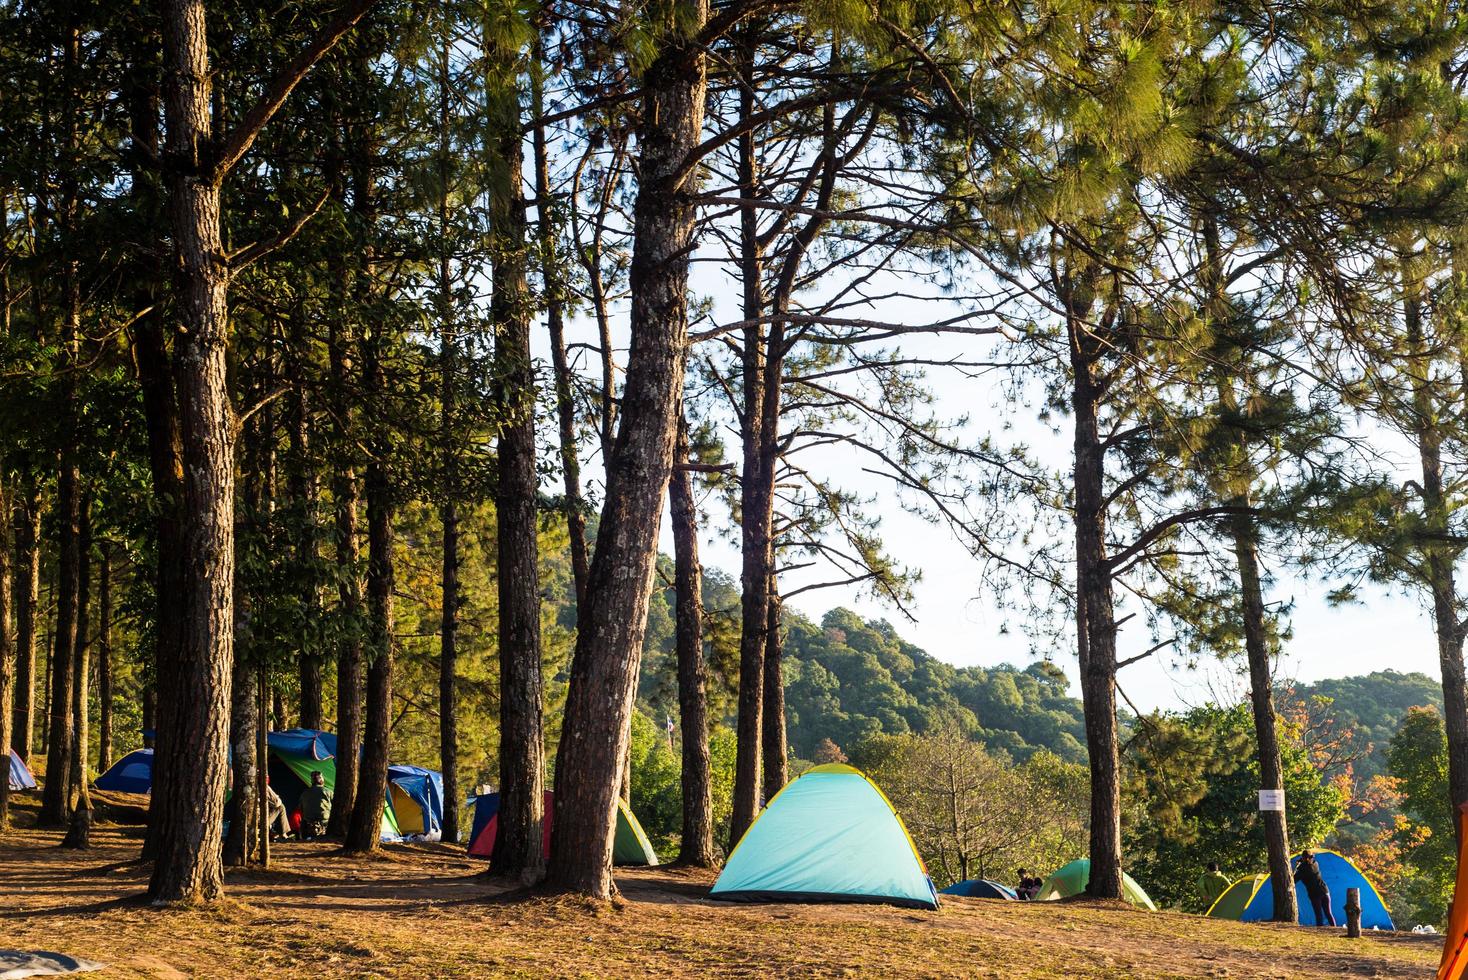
{"points": [[1368, 708], [847, 678]]}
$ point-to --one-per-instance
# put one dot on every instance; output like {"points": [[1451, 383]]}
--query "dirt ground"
{"points": [[425, 911]]}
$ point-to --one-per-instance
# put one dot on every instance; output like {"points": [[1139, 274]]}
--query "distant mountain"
{"points": [[847, 678], [1373, 704]]}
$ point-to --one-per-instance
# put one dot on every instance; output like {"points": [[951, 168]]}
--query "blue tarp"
{"points": [[425, 788], [20, 774], [830, 835], [303, 743], [981, 888], [133, 773], [1339, 873]]}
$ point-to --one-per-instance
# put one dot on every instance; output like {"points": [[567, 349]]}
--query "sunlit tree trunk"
{"points": [[696, 845], [604, 668], [519, 843]]}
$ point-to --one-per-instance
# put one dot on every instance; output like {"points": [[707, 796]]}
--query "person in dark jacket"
{"points": [[315, 807], [1307, 873]]}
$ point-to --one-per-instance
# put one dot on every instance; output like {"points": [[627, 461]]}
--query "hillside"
{"points": [[848, 678], [427, 911], [1373, 705]]}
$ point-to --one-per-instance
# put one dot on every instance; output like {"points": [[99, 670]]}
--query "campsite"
{"points": [[705, 488]]}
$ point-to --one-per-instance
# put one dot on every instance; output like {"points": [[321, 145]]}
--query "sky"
{"points": [[955, 618]]}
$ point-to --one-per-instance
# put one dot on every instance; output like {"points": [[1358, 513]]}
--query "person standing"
{"points": [[1212, 884], [1307, 873]]}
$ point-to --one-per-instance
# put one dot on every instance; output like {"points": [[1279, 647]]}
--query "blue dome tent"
{"points": [[133, 773], [1339, 873], [981, 888], [417, 800], [830, 836], [20, 777]]}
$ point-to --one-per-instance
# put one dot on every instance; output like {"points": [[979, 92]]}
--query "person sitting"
{"points": [[1212, 884], [1028, 887], [315, 808], [276, 818], [1307, 873]]}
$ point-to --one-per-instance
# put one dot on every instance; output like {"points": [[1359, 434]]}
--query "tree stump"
{"points": [[79, 834], [1353, 913]]}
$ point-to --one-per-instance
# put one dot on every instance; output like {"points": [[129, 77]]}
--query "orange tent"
{"points": [[1455, 948]]}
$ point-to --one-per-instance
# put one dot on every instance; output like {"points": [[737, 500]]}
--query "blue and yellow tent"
{"points": [[19, 777], [1251, 899], [981, 888], [417, 800], [133, 773], [829, 836]]}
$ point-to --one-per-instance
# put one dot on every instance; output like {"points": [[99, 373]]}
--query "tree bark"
{"points": [[609, 641], [553, 285], [80, 665], [239, 845], [1098, 652], [1439, 559], [519, 843], [365, 829], [346, 498], [27, 599], [448, 653], [193, 716], [7, 654], [104, 663], [773, 740], [697, 840], [55, 798], [1261, 689], [303, 496], [755, 504]]}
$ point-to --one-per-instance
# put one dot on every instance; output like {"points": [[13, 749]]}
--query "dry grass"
{"points": [[426, 911]]}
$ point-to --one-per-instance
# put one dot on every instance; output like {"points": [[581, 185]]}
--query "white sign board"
{"points": [[1271, 801]]}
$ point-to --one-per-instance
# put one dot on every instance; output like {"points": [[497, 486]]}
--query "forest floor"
{"points": [[426, 910]]}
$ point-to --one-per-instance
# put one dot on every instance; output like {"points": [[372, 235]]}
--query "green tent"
{"points": [[1071, 880], [291, 774], [1231, 904]]}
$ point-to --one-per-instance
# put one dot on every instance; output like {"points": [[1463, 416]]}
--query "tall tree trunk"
{"points": [[519, 843], [697, 841], [240, 844], [1098, 652], [609, 641], [365, 829], [1261, 689], [151, 362], [7, 654], [755, 507], [448, 650], [345, 496], [27, 601], [554, 287], [303, 497], [773, 740], [80, 664], [193, 716], [104, 663], [1438, 559], [55, 798]]}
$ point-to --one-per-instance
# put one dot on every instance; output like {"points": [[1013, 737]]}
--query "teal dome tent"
{"points": [[829, 836]]}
